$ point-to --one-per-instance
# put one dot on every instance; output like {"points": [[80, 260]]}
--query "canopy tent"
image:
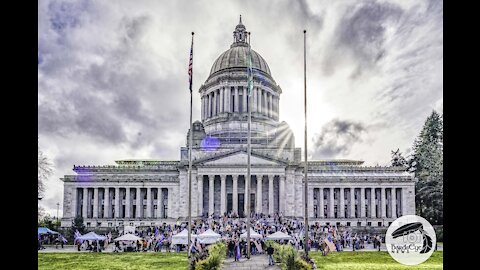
{"points": [[208, 237], [279, 236], [91, 236], [45, 230], [181, 238], [253, 235], [128, 237]]}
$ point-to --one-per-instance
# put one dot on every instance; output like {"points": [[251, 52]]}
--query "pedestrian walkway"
{"points": [[255, 262]]}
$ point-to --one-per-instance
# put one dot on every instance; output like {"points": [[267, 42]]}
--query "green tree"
{"points": [[427, 165], [398, 160], [77, 224], [44, 171]]}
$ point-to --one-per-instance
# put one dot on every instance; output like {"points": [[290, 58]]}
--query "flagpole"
{"points": [[305, 198], [249, 150], [190, 144]]}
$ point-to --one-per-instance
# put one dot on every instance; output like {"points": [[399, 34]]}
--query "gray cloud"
{"points": [[112, 77], [361, 33], [337, 137]]}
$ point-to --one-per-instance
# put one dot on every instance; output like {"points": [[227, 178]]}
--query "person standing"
{"points": [[237, 251], [270, 251]]}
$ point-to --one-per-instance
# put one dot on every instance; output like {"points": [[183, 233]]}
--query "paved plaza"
{"points": [[255, 262]]}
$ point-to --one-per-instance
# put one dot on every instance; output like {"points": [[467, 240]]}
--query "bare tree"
{"points": [[44, 171]]}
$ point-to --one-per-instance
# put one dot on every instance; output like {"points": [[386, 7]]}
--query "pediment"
{"points": [[240, 158]]}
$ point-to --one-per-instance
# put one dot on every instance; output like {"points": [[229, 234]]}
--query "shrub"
{"points": [[216, 256], [288, 257]]}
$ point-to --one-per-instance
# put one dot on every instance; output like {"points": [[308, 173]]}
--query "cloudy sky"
{"points": [[113, 83]]}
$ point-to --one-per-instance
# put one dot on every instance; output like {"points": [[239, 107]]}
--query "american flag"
{"points": [[190, 66]]}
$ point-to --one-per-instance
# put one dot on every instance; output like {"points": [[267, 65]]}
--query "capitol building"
{"points": [[151, 192]]}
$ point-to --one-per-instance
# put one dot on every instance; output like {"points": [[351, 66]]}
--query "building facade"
{"points": [[150, 192]]}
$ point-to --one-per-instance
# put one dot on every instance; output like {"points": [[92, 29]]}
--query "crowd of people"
{"points": [[158, 238]]}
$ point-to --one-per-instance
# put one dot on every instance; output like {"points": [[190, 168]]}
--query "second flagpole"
{"points": [[190, 142]]}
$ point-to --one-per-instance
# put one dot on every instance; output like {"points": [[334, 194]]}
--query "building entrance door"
{"points": [[241, 204], [229, 202], [252, 202]]}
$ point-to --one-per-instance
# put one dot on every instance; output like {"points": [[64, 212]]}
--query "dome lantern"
{"points": [[240, 34]]}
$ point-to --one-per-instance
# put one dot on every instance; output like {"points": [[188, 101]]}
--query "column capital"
{"points": [[223, 177], [211, 177], [270, 176], [234, 177]]}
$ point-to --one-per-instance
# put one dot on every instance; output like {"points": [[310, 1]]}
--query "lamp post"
{"points": [[58, 205]]}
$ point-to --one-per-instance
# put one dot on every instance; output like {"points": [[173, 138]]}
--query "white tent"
{"points": [[253, 235], [208, 237], [127, 237], [279, 236], [91, 236], [181, 238]]}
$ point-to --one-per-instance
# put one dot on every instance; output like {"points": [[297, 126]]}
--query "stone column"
{"points": [[342, 203], [128, 203], [270, 105], [259, 100], [203, 107], [322, 214], [223, 194], [310, 201], [332, 203], [372, 204], [221, 100], [149, 203], [138, 206], [277, 108], [244, 99], [259, 194], [159, 203], [227, 98], [235, 193], [117, 202], [254, 99], [200, 194], [95, 203], [362, 202], [74, 202], [106, 205], [236, 99], [382, 200], [85, 203], [352, 202], [394, 203], [404, 201], [282, 196], [270, 194], [211, 206]]}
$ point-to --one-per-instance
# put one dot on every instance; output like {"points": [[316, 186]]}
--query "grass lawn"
{"points": [[112, 261], [371, 261]]}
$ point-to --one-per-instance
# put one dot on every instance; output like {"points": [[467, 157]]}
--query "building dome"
{"points": [[236, 57]]}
